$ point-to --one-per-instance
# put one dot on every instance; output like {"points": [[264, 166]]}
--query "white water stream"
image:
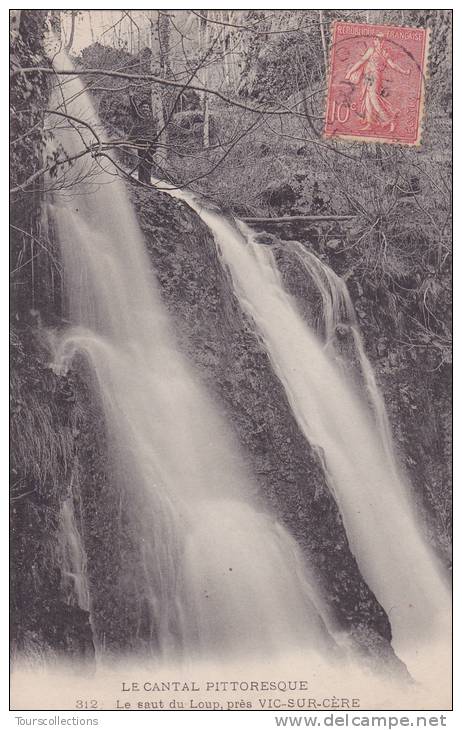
{"points": [[73, 556], [222, 576], [356, 447], [338, 309]]}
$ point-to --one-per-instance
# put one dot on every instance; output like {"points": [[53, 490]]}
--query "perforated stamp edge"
{"points": [[424, 79]]}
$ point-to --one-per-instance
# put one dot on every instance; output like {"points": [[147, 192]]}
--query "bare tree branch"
{"points": [[250, 29], [163, 82], [76, 119]]}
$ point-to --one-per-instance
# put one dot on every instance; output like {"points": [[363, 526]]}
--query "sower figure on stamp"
{"points": [[375, 108], [143, 134]]}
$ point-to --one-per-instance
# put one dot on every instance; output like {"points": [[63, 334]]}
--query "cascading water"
{"points": [[338, 309], [364, 478], [221, 574], [74, 559]]}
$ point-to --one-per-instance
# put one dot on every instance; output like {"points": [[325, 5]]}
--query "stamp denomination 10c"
{"points": [[376, 83]]}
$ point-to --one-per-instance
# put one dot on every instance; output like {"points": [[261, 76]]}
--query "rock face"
{"points": [[216, 336], [279, 196]]}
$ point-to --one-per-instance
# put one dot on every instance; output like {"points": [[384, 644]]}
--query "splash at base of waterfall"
{"points": [[301, 680], [223, 575]]}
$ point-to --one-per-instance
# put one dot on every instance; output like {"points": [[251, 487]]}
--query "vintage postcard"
{"points": [[231, 361]]}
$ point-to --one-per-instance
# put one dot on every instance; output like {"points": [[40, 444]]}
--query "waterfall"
{"points": [[221, 575], [73, 556], [355, 447], [338, 309], [72, 559]]}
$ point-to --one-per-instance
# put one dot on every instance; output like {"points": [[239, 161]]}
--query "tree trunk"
{"points": [[165, 72], [72, 31], [225, 45], [206, 136], [156, 98], [203, 41], [299, 218], [323, 42], [91, 26]]}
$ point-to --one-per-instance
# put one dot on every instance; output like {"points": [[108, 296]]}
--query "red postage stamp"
{"points": [[376, 83]]}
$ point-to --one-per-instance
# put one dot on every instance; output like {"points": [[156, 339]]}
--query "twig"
{"points": [[156, 80]]}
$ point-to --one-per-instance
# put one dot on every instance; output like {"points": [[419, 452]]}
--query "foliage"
{"points": [[47, 412], [397, 242], [33, 265], [41, 443], [267, 78], [110, 93], [27, 135]]}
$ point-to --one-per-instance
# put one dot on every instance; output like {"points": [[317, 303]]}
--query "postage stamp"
{"points": [[376, 83]]}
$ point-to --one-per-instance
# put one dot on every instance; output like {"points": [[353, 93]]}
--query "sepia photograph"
{"points": [[230, 360]]}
